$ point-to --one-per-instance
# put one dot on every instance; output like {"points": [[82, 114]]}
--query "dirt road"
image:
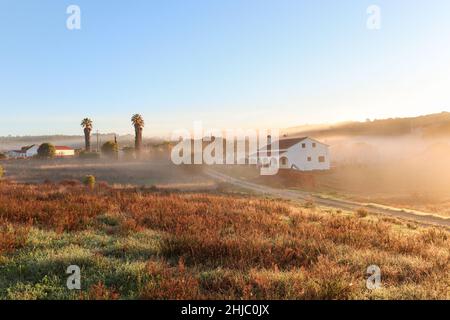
{"points": [[419, 217]]}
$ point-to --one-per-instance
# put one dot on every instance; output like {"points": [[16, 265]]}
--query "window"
{"points": [[314, 145], [321, 159], [309, 159], [303, 145]]}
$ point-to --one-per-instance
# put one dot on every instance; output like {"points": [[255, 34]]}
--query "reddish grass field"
{"points": [[149, 244]]}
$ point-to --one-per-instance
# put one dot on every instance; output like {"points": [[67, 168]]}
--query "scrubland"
{"points": [[146, 243]]}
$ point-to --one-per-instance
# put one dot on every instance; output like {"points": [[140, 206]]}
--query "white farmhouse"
{"points": [[303, 154]]}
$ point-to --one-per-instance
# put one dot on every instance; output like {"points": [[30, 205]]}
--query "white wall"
{"points": [[299, 156], [64, 153], [33, 151]]}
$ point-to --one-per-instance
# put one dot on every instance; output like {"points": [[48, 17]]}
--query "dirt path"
{"points": [[419, 217]]}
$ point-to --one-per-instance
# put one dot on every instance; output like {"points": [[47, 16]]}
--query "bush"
{"points": [[110, 149], [3, 156], [2, 172], [361, 212], [46, 150], [89, 181]]}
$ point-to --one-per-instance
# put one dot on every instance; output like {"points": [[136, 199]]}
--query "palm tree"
{"points": [[87, 125], [138, 123]]}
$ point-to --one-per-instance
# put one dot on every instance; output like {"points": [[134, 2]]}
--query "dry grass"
{"points": [[145, 243]]}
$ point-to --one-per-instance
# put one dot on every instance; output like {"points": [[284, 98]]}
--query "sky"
{"points": [[227, 63]]}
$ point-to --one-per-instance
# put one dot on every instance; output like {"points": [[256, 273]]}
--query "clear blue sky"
{"points": [[229, 63]]}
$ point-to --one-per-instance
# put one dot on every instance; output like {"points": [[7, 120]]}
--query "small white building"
{"points": [[31, 151], [24, 152], [303, 154], [63, 151]]}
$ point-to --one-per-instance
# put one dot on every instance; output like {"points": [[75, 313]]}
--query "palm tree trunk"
{"points": [[138, 140], [87, 140]]}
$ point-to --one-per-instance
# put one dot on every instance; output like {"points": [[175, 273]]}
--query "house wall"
{"points": [[64, 153], [14, 155], [298, 156], [33, 151]]}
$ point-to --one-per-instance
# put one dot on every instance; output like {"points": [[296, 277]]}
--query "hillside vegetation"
{"points": [[148, 244], [432, 125]]}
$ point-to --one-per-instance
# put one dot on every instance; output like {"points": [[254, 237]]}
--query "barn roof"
{"points": [[26, 148], [23, 149]]}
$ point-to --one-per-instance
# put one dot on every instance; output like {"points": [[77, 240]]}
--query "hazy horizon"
{"points": [[168, 135]]}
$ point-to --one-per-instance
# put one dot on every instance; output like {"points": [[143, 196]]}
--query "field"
{"points": [[146, 243], [399, 186], [148, 173], [391, 185]]}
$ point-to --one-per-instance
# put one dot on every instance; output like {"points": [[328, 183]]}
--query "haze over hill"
{"points": [[432, 125]]}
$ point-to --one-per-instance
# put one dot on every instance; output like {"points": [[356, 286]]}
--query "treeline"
{"points": [[28, 138]]}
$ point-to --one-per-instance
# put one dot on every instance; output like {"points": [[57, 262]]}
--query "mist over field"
{"points": [[400, 165]]}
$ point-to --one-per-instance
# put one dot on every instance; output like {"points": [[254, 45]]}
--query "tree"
{"points": [[46, 150], [89, 181], [110, 149], [138, 123], [87, 125]]}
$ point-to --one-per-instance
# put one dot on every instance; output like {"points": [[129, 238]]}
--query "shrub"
{"points": [[89, 181], [361, 212], [110, 149], [46, 150]]}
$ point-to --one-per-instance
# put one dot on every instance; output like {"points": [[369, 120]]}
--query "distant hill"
{"points": [[433, 125]]}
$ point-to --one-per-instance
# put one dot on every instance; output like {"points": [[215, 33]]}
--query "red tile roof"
{"points": [[284, 144], [60, 148]]}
